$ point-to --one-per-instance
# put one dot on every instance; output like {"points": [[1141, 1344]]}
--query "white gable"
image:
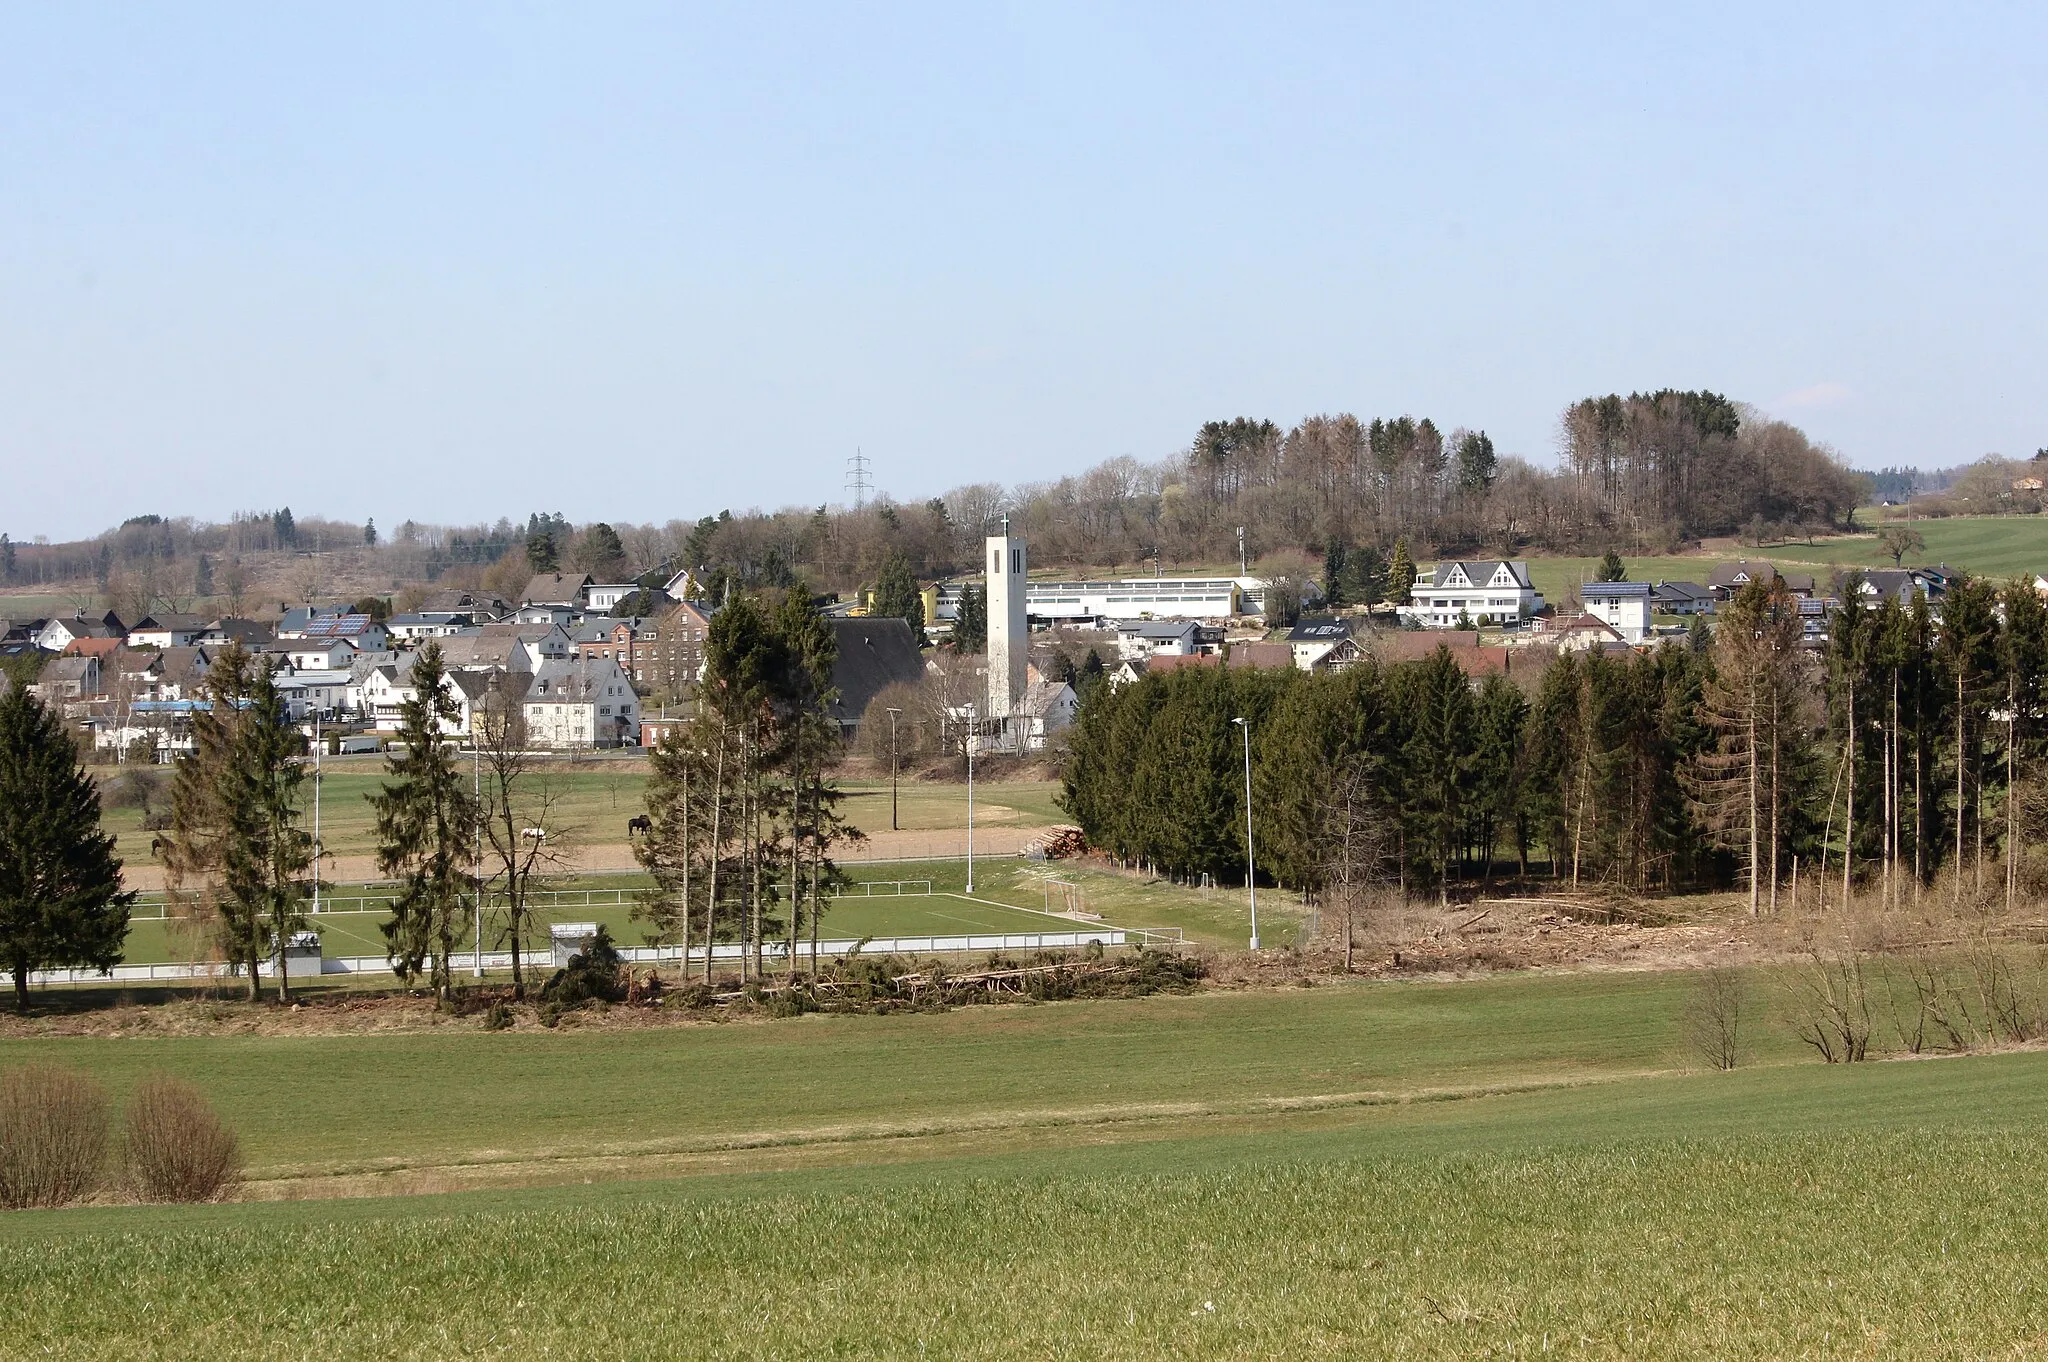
{"points": [[1457, 576], [1503, 576]]}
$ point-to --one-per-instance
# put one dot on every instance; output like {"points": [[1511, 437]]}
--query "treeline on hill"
{"points": [[1650, 470], [1917, 746]]}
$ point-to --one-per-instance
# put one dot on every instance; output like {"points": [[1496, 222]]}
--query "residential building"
{"points": [[1681, 598], [313, 691], [557, 589], [166, 631], [360, 630], [1277, 656], [68, 678], [1584, 633], [416, 625], [1728, 578], [57, 634], [1413, 645], [1623, 606], [1047, 707], [633, 642], [453, 600], [1315, 637], [1148, 638], [874, 652], [1462, 594], [600, 597], [1903, 584], [310, 655], [513, 646], [576, 703], [676, 661], [227, 629]]}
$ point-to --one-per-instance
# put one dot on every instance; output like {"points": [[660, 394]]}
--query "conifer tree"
{"points": [[268, 855], [209, 866], [1400, 574], [1611, 569], [426, 822], [61, 901], [970, 628]]}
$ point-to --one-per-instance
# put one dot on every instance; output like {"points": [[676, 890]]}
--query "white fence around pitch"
{"points": [[775, 951]]}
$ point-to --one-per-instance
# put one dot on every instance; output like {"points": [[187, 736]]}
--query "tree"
{"points": [[6, 559], [284, 529], [1900, 540], [370, 533], [1477, 465], [426, 819], [1400, 574], [268, 854], [970, 627], [896, 594], [202, 576], [519, 811], [1612, 569], [600, 552], [61, 901], [542, 552]]}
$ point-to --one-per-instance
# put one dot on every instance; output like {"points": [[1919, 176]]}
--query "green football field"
{"points": [[1510, 1167]]}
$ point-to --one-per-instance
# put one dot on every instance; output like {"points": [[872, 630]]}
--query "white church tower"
{"points": [[1009, 646]]}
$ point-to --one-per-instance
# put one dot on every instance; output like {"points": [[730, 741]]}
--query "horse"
{"points": [[640, 824]]}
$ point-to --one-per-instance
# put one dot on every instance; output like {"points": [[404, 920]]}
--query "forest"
{"points": [[1906, 754]]}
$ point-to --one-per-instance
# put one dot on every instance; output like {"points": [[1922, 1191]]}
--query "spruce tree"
{"points": [[1400, 574], [426, 820], [1612, 569], [61, 901], [970, 629], [896, 595], [268, 854], [206, 858]]}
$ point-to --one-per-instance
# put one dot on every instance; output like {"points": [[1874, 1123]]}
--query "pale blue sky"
{"points": [[452, 263]]}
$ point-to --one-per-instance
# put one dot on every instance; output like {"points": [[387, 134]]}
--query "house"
{"points": [[293, 618], [1278, 656], [453, 600], [1462, 594], [1151, 638], [183, 673], [365, 633], [1681, 598], [166, 631], [68, 678], [360, 670], [515, 647], [1623, 606], [1814, 613], [573, 703], [313, 691], [1584, 633], [424, 624], [1390, 646], [58, 634], [676, 660], [319, 654], [1047, 707], [1728, 578], [558, 590], [633, 642], [599, 598], [95, 647], [1903, 584], [227, 629], [1315, 637], [875, 652]]}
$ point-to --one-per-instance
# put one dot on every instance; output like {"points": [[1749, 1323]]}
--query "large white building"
{"points": [[1488, 594]]}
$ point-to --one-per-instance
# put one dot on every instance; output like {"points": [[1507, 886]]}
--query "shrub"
{"points": [[53, 1136], [498, 1017], [592, 973], [178, 1148]]}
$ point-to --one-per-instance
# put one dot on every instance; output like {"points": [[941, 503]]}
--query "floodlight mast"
{"points": [[1251, 863], [972, 718]]}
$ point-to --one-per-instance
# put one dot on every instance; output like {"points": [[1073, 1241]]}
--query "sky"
{"points": [[448, 262]]}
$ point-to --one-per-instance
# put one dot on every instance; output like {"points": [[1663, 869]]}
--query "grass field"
{"points": [[1442, 1170], [1997, 546]]}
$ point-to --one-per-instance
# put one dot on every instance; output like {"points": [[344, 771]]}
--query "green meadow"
{"points": [[1515, 1166]]}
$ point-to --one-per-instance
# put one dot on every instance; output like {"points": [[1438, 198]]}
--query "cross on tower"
{"points": [[1006, 524]]}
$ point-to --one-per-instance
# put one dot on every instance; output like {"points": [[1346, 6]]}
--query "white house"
{"points": [[166, 631], [1149, 638], [1622, 606], [1047, 707], [318, 655], [1496, 593], [581, 703], [309, 691], [58, 634], [600, 597], [1314, 638], [360, 630], [421, 624]]}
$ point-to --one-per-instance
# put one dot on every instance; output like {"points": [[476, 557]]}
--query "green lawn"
{"points": [[1886, 1210], [1997, 546]]}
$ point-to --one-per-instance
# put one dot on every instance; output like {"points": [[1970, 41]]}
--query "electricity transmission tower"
{"points": [[857, 480]]}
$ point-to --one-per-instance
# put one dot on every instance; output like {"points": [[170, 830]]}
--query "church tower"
{"points": [[1009, 647]]}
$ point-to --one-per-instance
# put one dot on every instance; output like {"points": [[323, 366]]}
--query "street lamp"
{"points": [[893, 712], [972, 720], [1251, 864]]}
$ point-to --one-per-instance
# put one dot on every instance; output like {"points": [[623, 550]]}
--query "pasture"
{"points": [[1511, 1166]]}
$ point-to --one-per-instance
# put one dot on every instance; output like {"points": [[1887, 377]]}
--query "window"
{"points": [[995, 561]]}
